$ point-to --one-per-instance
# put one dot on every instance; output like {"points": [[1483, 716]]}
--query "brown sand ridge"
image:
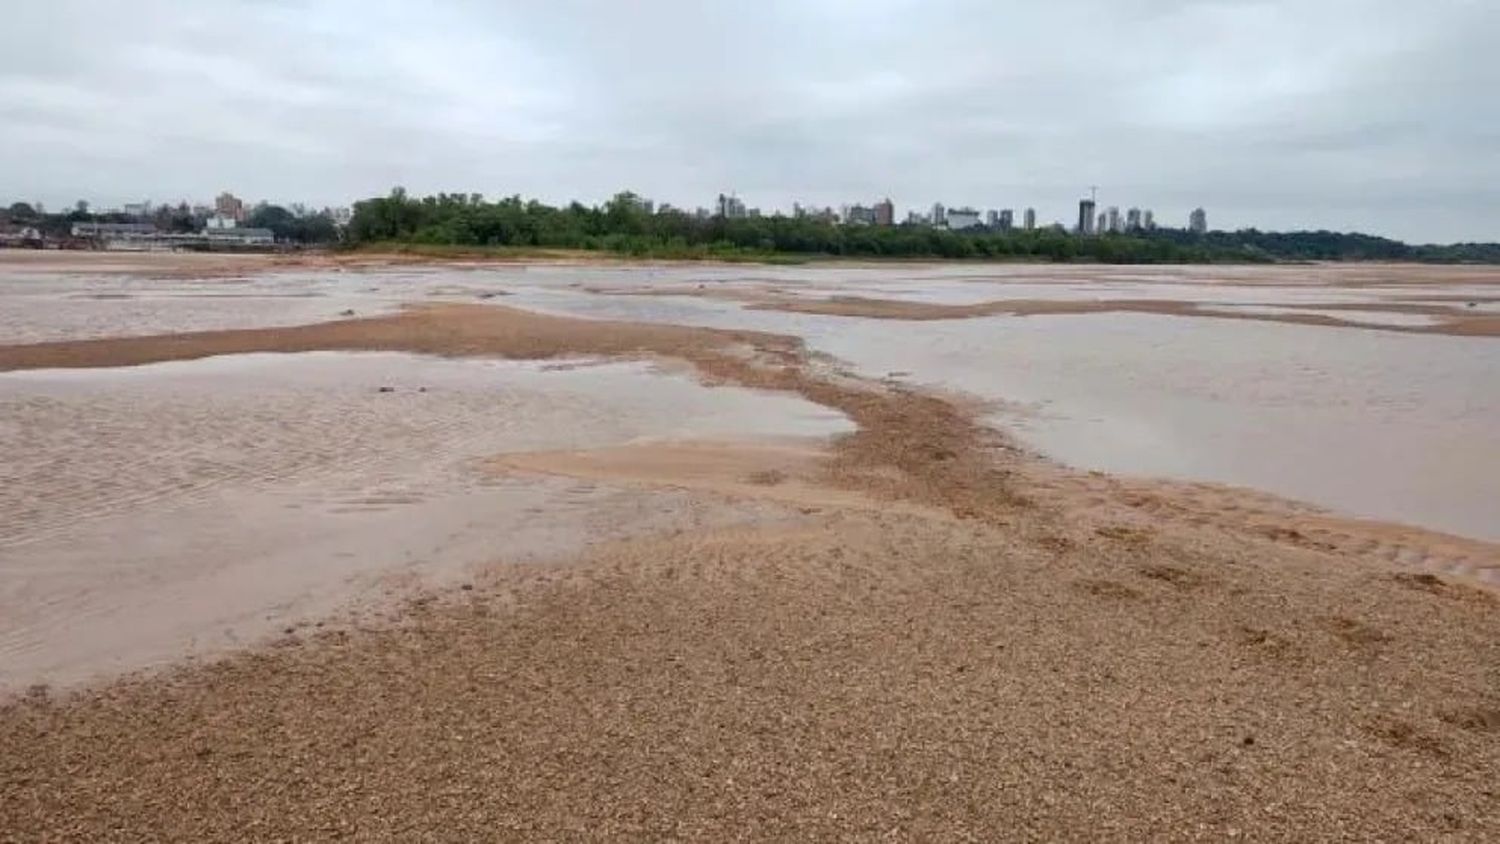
{"points": [[1453, 321], [991, 660]]}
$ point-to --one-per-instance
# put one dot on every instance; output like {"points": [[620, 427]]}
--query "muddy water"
{"points": [[1369, 423], [1373, 423], [1389, 426], [191, 506], [196, 505]]}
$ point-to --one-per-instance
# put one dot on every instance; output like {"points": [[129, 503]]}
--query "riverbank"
{"points": [[950, 639]]}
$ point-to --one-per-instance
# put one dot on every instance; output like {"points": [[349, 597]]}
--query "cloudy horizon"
{"points": [[1373, 116]]}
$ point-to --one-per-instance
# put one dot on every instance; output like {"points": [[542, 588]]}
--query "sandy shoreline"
{"points": [[960, 641], [1453, 318]]}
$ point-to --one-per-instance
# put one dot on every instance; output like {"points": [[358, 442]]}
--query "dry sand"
{"points": [[1014, 651]]}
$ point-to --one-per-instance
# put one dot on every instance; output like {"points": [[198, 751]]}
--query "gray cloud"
{"points": [[1353, 114]]}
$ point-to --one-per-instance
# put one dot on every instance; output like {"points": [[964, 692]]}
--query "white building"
{"points": [[962, 218], [240, 237]]}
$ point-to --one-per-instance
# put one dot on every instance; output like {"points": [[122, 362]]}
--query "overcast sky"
{"points": [[1375, 115]]}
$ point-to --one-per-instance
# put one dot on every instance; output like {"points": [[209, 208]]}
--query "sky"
{"points": [[1369, 115]]}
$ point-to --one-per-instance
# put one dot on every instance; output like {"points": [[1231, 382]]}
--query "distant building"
{"points": [[1198, 221], [1085, 216], [231, 206], [962, 218], [1133, 220], [1112, 219], [992, 218], [219, 221], [885, 213], [1028, 219], [1101, 223], [914, 218], [114, 233], [939, 214], [138, 209], [1007, 219], [1148, 220], [20, 236], [240, 237], [859, 215], [731, 207]]}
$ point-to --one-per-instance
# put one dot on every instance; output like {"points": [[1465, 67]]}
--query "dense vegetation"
{"points": [[624, 225]]}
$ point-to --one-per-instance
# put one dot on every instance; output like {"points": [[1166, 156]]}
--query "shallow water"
{"points": [[189, 506], [1371, 422], [1377, 424]]}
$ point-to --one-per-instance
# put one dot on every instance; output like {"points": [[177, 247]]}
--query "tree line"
{"points": [[626, 225]]}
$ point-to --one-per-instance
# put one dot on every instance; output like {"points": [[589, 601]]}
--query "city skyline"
{"points": [[1279, 115], [226, 206]]}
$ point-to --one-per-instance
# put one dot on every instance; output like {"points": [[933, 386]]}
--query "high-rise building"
{"points": [[991, 218], [731, 207], [1133, 220], [1112, 217], [230, 206], [962, 218], [1007, 219], [1085, 216], [885, 213], [1148, 220], [1028, 219], [1101, 223], [939, 214], [1198, 221]]}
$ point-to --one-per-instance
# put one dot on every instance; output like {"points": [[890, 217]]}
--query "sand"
{"points": [[190, 507], [956, 640], [1451, 320]]}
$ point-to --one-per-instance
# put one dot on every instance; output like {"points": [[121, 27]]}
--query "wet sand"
{"points": [[1451, 320], [949, 639], [241, 495]]}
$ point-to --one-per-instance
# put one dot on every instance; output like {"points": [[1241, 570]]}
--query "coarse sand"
{"points": [[960, 643]]}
